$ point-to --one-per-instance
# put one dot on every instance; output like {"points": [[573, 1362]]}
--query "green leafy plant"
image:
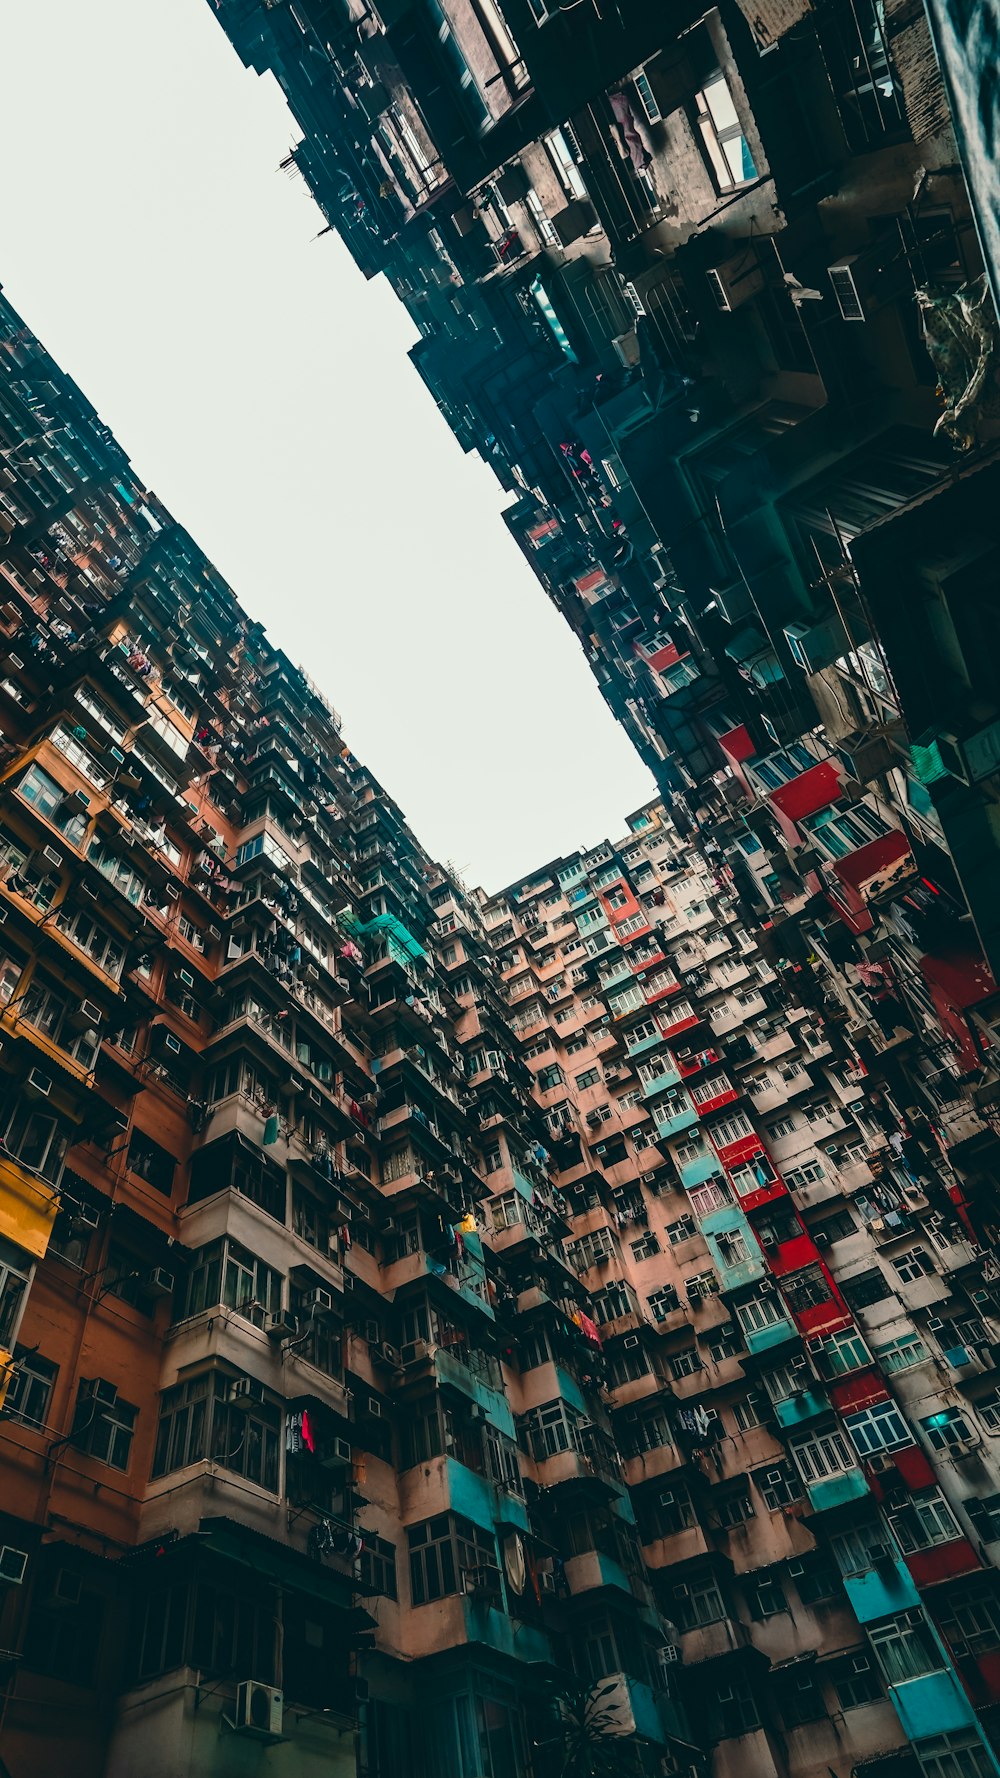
{"points": [[589, 1739]]}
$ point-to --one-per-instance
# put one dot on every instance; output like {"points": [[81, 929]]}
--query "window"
{"points": [[913, 1264], [815, 1579], [205, 1418], [685, 1364], [865, 1288], [56, 804], [970, 1620], [732, 1710], [904, 1648], [844, 1352], [777, 1485], [878, 1428], [377, 1566], [923, 1522], [817, 1458], [855, 1679], [449, 1554], [758, 1313], [735, 1509], [731, 1129], [732, 1248], [589, 1079], [962, 1754], [782, 1126], [104, 1432], [151, 1162], [647, 99], [226, 1274], [748, 1412], [797, 1178], [549, 1078], [697, 1604], [901, 1354], [948, 1431], [15, 1273], [806, 1289], [646, 1247], [544, 228], [681, 1230], [31, 1386]]}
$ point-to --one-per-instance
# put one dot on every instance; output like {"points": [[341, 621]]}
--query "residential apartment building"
{"points": [[415, 1303], [267, 1497]]}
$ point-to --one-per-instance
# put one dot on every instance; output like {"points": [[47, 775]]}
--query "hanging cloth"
{"points": [[271, 1129], [514, 1563]]}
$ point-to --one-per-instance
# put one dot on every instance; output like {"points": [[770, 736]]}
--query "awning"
{"points": [[279, 1563]]}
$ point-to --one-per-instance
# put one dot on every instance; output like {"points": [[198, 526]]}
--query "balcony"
{"points": [[28, 1206], [869, 877], [674, 1121], [837, 1490]]}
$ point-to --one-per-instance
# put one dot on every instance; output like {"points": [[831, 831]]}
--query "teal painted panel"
{"points": [[672, 1126], [804, 1406], [764, 1339], [495, 1406], [934, 1704], [880, 1592], [719, 1222], [648, 1718], [519, 1642], [571, 1391], [700, 1171], [646, 1043], [613, 1574], [837, 1490], [477, 1499], [670, 1078]]}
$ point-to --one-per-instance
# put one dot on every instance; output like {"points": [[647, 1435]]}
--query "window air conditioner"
{"points": [[320, 1302], [259, 1709], [735, 280], [13, 1565], [864, 754], [158, 1282], [972, 756], [245, 1391], [336, 1454], [815, 646], [281, 1325], [37, 1085]]}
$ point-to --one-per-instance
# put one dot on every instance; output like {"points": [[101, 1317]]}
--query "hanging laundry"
{"points": [[271, 1129]]}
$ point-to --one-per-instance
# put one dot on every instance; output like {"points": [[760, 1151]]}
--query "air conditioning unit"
{"points": [[815, 646], [282, 1325], [630, 1342], [880, 1463], [185, 976], [972, 756], [821, 1238], [935, 1323], [336, 1454], [681, 1592], [84, 1216], [773, 1476], [374, 1407], [667, 1498], [13, 1566], [385, 1354], [862, 283], [245, 1391], [735, 280], [864, 754], [259, 1709], [51, 856], [414, 1352], [37, 1085], [158, 1282], [319, 1302], [546, 1583], [172, 892], [88, 890]]}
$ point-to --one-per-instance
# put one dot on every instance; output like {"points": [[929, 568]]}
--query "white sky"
{"points": [[261, 388]]}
